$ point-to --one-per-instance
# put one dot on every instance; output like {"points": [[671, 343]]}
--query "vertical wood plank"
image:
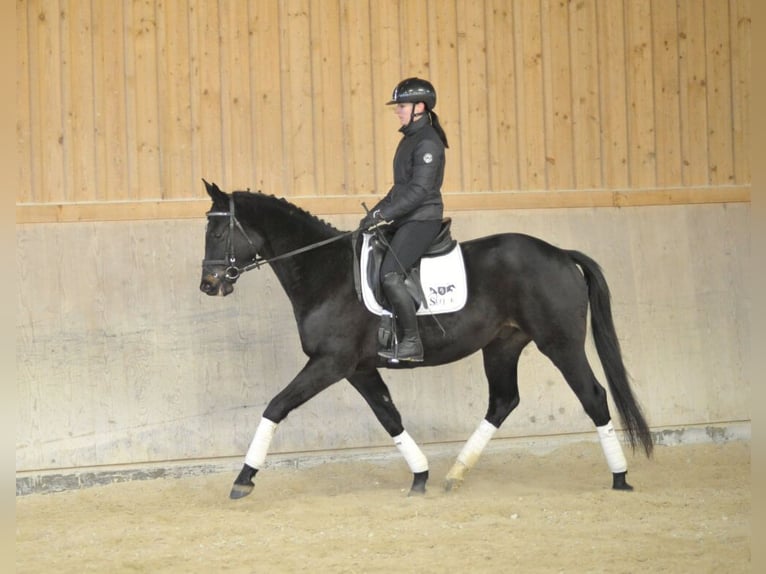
{"points": [[586, 120], [472, 67], [79, 124], [718, 50], [295, 60], [46, 97], [111, 180], [693, 92], [358, 97], [640, 93], [558, 95], [235, 95], [531, 106], [446, 79], [386, 73], [612, 88], [267, 96], [413, 23], [23, 108], [207, 135], [326, 97], [174, 100], [741, 26], [501, 87], [143, 92], [666, 93]]}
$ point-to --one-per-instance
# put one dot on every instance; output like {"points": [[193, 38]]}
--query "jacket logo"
{"points": [[428, 158]]}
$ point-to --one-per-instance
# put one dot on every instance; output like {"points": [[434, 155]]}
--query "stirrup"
{"points": [[392, 358]]}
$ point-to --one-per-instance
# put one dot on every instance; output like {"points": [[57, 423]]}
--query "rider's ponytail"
{"points": [[437, 126]]}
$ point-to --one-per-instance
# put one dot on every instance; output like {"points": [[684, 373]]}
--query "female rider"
{"points": [[413, 206]]}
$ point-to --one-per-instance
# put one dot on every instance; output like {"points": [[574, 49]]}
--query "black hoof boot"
{"points": [[243, 485], [419, 484], [618, 481]]}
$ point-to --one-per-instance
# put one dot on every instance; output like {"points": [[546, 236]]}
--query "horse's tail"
{"points": [[608, 347]]}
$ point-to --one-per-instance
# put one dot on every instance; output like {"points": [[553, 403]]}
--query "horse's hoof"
{"points": [[419, 484], [243, 484], [451, 484], [240, 490], [619, 482]]}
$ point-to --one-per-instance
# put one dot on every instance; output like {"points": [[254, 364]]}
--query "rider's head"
{"points": [[419, 93], [415, 98]]}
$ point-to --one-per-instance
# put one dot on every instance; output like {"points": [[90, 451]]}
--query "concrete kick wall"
{"points": [[122, 360]]}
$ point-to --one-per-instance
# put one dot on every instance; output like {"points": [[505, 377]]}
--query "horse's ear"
{"points": [[215, 192]]}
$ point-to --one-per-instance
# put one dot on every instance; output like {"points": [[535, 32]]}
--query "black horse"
{"points": [[520, 289]]}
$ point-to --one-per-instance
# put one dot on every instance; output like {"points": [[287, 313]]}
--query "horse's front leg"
{"points": [[371, 386], [316, 375], [254, 459]]}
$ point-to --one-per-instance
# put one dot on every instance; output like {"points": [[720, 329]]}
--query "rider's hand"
{"points": [[372, 219]]}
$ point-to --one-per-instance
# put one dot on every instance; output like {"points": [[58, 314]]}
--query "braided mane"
{"points": [[284, 205]]}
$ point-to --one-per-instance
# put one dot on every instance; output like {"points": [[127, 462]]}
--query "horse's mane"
{"points": [[283, 205]]}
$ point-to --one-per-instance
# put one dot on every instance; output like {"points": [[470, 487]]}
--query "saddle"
{"points": [[437, 282]]}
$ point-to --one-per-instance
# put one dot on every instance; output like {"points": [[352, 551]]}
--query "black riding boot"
{"points": [[410, 348]]}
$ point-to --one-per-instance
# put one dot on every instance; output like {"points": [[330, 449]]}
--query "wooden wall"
{"points": [[123, 105]]}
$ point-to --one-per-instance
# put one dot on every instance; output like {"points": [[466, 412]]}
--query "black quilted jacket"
{"points": [[418, 175]]}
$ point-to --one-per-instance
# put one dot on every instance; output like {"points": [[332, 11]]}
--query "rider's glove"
{"points": [[372, 219]]}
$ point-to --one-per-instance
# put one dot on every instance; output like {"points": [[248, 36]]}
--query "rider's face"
{"points": [[404, 112]]}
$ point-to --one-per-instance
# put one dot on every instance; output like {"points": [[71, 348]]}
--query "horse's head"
{"points": [[229, 249]]}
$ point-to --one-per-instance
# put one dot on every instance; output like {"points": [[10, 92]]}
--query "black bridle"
{"points": [[233, 271]]}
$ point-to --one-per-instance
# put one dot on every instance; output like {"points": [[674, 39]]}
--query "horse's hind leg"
{"points": [[501, 358], [371, 386], [572, 361]]}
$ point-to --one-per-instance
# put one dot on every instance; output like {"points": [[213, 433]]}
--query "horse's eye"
{"points": [[216, 234]]}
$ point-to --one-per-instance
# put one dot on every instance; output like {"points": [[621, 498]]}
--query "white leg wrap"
{"points": [[612, 448], [476, 444], [256, 454], [411, 452]]}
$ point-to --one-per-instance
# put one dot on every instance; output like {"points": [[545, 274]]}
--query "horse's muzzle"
{"points": [[212, 284]]}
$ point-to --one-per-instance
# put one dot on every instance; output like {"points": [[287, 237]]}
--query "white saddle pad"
{"points": [[442, 278]]}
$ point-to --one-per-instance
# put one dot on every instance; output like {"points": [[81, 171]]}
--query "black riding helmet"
{"points": [[414, 90]]}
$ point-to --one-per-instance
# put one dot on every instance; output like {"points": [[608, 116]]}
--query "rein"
{"points": [[232, 270]]}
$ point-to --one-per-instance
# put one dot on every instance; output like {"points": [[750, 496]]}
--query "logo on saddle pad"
{"points": [[438, 294], [443, 284]]}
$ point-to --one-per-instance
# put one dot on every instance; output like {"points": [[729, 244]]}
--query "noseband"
{"points": [[233, 271]]}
